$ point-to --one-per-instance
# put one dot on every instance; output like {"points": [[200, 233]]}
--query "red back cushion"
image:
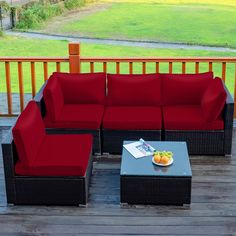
{"points": [[53, 98], [213, 100], [86, 88], [28, 133], [184, 89], [134, 90]]}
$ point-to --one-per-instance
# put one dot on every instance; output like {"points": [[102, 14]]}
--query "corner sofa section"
{"points": [[197, 109], [74, 104]]}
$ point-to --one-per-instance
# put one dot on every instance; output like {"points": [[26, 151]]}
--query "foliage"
{"points": [[4, 8], [33, 15], [72, 4]]}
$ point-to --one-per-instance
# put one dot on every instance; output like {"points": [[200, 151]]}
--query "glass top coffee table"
{"points": [[142, 182]]}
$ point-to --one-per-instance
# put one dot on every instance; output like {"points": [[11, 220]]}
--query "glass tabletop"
{"points": [[144, 167]]}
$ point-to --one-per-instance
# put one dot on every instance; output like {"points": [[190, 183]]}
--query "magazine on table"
{"points": [[139, 149]]}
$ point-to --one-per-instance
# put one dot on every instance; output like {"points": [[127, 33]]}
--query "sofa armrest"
{"points": [[229, 98], [228, 116], [10, 157], [40, 100]]}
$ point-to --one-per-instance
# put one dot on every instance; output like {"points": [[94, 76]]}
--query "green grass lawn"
{"points": [[16, 46], [192, 22]]}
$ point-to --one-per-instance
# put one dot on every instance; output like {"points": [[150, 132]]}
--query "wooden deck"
{"points": [[212, 212]]}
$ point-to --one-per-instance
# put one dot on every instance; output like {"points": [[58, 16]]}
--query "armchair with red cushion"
{"points": [[45, 169]]}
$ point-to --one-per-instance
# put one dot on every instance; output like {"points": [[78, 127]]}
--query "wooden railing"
{"points": [[222, 67]]}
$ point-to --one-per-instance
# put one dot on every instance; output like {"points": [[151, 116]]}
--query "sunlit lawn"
{"points": [[192, 22], [12, 46]]}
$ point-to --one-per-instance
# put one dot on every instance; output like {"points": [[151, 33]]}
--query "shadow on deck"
{"points": [[212, 211]]}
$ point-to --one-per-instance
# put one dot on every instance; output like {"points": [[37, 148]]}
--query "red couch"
{"points": [[195, 108], [45, 169]]}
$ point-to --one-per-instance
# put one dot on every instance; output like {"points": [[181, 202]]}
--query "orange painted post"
{"points": [[144, 68], [235, 91], [197, 67], [117, 67], [157, 67], [58, 66], [74, 57], [33, 84], [210, 66], [104, 67], [45, 71], [131, 68], [21, 85], [8, 85], [91, 67], [170, 67], [223, 70], [183, 67]]}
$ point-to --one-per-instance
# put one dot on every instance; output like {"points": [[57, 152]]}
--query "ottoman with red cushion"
{"points": [[46, 169]]}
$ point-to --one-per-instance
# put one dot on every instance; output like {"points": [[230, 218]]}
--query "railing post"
{"points": [[74, 57], [235, 92]]}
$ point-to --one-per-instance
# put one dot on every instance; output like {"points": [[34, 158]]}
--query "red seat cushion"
{"points": [[86, 88], [188, 118], [134, 90], [184, 89], [84, 116], [28, 133], [132, 118], [213, 100], [53, 98], [60, 155]]}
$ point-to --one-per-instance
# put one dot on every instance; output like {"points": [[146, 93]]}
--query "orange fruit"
{"points": [[157, 158], [164, 160]]}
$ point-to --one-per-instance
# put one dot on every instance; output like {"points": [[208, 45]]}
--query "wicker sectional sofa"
{"points": [[196, 108]]}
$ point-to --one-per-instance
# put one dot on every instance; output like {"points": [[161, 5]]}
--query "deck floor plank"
{"points": [[212, 211]]}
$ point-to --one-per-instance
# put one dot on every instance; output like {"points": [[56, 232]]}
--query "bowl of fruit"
{"points": [[162, 158]]}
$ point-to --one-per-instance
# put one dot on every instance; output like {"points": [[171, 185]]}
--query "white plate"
{"points": [[159, 164]]}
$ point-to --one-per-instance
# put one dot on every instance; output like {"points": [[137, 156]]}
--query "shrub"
{"points": [[35, 14], [27, 19], [72, 4]]}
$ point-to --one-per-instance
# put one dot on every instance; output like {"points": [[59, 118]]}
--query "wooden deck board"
{"points": [[212, 211]]}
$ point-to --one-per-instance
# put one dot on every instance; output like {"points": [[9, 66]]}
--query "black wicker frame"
{"points": [[208, 142], [31, 190], [155, 190], [112, 140], [96, 133]]}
